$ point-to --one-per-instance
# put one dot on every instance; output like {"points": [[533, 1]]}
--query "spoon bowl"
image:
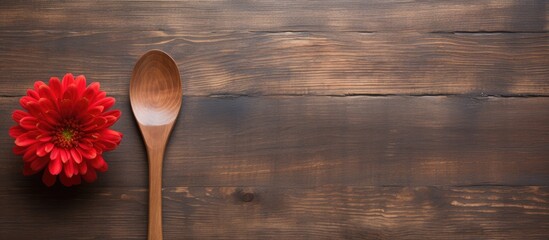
{"points": [[155, 96], [155, 89]]}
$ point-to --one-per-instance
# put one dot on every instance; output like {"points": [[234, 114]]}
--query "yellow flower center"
{"points": [[67, 134]]}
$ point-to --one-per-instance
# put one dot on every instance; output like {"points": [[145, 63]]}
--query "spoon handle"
{"points": [[156, 156]]}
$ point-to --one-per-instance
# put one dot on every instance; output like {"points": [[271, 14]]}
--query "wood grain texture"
{"points": [[289, 63], [282, 15], [351, 141], [84, 212], [378, 119], [248, 212]]}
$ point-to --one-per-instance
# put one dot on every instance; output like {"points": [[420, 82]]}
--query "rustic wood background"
{"points": [[301, 119]]}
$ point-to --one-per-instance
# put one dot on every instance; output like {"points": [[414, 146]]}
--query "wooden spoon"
{"points": [[155, 96]]}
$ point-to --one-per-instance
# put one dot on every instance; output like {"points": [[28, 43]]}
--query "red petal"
{"points": [[111, 135], [86, 119], [33, 94], [52, 117], [47, 104], [41, 150], [39, 163], [65, 155], [44, 138], [65, 107], [110, 121], [19, 150], [71, 93], [34, 109], [30, 153], [90, 153], [32, 157], [25, 100], [107, 103], [44, 127], [80, 83], [48, 179], [85, 146], [76, 155], [106, 145], [111, 117], [87, 141], [28, 123], [98, 123], [83, 168], [55, 153], [16, 131], [45, 92], [103, 168], [49, 147], [68, 80], [55, 166], [55, 86], [90, 175], [97, 162], [17, 115], [91, 91], [94, 111], [65, 180], [81, 106], [68, 168], [99, 147], [27, 170], [38, 84], [101, 94], [114, 113], [25, 139]]}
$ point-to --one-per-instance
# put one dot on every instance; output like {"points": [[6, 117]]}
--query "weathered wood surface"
{"points": [[313, 141], [289, 63], [280, 15], [301, 119], [248, 212]]}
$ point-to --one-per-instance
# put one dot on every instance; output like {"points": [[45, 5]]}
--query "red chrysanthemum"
{"points": [[65, 130]]}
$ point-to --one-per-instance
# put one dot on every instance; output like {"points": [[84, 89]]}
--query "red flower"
{"points": [[65, 130]]}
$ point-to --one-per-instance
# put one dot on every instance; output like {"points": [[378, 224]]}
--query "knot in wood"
{"points": [[247, 197]]}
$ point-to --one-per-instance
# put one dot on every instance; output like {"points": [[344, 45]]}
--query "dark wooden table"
{"points": [[301, 119]]}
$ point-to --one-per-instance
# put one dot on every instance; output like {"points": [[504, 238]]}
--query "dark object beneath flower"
{"points": [[65, 130]]}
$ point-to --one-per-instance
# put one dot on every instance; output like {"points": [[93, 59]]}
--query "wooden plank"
{"points": [[289, 63], [326, 212], [281, 15], [83, 212], [360, 213], [311, 141]]}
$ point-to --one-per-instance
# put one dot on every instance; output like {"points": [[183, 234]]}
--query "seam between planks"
{"points": [[365, 31], [232, 96], [466, 95]]}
